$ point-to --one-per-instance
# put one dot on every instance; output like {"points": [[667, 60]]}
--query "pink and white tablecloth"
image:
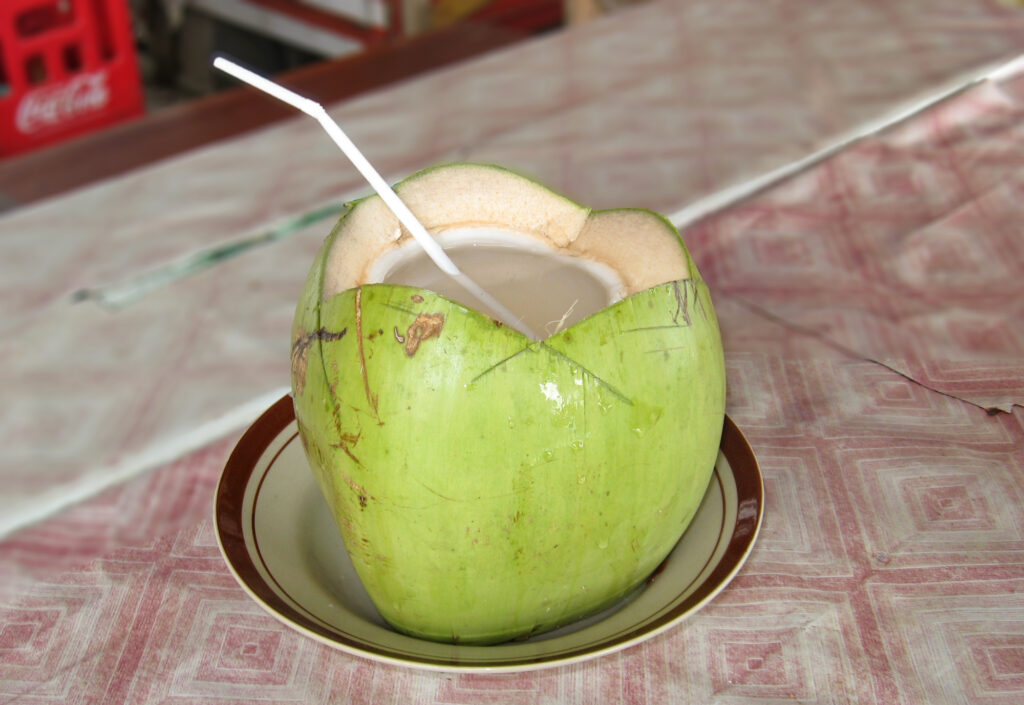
{"points": [[872, 308]]}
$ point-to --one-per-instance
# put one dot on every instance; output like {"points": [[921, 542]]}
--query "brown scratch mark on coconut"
{"points": [[348, 451], [698, 300], [371, 398], [313, 451], [346, 441], [322, 463], [682, 304], [398, 336], [355, 486], [426, 325], [417, 298], [344, 522], [361, 494], [300, 362], [432, 491], [300, 352]]}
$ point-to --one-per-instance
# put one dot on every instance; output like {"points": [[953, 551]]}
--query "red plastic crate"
{"points": [[67, 67]]}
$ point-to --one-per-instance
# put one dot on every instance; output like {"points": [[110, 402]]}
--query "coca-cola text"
{"points": [[52, 106]]}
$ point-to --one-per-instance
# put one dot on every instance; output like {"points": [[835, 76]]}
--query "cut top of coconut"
{"points": [[517, 239], [544, 288]]}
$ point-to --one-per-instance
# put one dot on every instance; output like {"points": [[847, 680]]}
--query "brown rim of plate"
{"points": [[254, 443]]}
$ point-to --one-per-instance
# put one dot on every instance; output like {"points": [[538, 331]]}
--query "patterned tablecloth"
{"points": [[872, 308]]}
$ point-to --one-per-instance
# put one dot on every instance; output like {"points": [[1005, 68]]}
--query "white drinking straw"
{"points": [[390, 198]]}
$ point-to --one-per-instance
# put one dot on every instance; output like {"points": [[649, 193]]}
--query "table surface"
{"points": [[867, 282]]}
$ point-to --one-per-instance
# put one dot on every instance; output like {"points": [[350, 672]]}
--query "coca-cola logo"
{"points": [[51, 106]]}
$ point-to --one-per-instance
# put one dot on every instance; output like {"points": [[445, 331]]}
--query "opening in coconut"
{"points": [[547, 259], [547, 290]]}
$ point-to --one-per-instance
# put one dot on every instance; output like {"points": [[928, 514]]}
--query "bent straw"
{"points": [[387, 194]]}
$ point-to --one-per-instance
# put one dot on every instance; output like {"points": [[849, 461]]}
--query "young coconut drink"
{"points": [[490, 486]]}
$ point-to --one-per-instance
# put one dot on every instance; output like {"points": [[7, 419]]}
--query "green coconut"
{"points": [[488, 485]]}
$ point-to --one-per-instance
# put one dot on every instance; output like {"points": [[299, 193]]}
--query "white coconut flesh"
{"points": [[546, 290], [549, 260]]}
